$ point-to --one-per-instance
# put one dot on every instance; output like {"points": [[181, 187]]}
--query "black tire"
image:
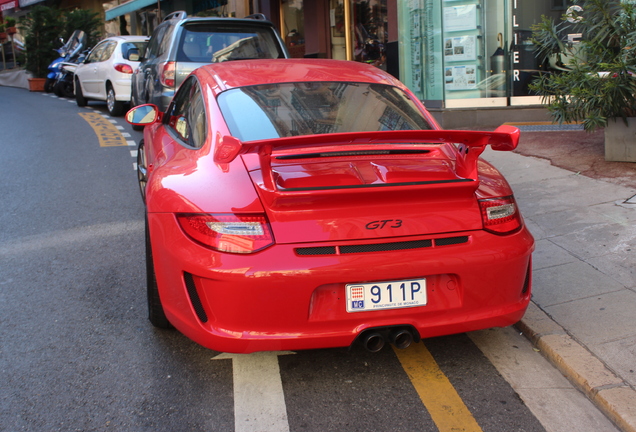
{"points": [[66, 87], [79, 96], [142, 169], [115, 107], [57, 89], [48, 85], [156, 314]]}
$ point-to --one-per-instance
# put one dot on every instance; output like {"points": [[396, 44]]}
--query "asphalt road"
{"points": [[77, 352]]}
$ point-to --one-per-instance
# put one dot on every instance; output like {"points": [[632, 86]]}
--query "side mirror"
{"points": [[143, 115]]}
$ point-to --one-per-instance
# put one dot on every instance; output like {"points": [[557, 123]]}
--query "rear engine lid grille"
{"points": [[380, 247]]}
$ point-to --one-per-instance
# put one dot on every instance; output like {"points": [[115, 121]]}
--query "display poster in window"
{"points": [[416, 85], [460, 48], [460, 77], [416, 53], [460, 18], [416, 24]]}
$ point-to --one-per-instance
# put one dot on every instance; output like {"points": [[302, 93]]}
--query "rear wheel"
{"points": [[66, 88], [48, 85], [57, 89], [115, 107], [156, 314], [79, 96]]}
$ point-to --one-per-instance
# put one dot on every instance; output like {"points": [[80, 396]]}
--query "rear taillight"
{"points": [[167, 75], [123, 68], [500, 215], [233, 233]]}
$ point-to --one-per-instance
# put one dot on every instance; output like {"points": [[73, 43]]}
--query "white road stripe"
{"points": [[131, 143], [133, 153], [542, 388], [259, 401]]}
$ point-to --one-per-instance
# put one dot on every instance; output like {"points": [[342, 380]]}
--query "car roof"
{"points": [[128, 38], [241, 73]]}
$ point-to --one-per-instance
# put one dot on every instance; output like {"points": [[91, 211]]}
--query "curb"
{"points": [[613, 396]]}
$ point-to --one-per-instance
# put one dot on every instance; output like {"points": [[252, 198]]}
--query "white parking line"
{"points": [[259, 400]]}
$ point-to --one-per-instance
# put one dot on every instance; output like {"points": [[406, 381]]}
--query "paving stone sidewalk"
{"points": [[583, 311]]}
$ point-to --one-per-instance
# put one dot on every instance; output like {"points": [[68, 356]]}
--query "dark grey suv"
{"points": [[181, 44]]}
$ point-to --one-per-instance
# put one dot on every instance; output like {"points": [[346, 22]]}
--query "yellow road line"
{"points": [[107, 133], [440, 398]]}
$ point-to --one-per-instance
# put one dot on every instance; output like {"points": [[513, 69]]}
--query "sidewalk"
{"points": [[14, 78], [583, 311]]}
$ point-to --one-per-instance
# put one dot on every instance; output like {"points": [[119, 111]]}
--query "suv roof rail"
{"points": [[257, 16], [176, 15]]}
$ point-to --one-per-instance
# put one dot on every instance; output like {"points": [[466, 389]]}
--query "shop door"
{"points": [[475, 55]]}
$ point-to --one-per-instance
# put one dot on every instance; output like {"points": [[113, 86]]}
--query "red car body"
{"points": [[380, 214]]}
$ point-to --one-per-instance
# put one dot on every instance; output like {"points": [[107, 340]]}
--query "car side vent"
{"points": [[526, 282], [194, 297], [379, 247]]}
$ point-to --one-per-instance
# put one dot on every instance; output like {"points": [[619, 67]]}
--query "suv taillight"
{"points": [[500, 215], [167, 75], [233, 233]]}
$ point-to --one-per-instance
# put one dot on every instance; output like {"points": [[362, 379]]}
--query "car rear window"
{"points": [[310, 108], [206, 43]]}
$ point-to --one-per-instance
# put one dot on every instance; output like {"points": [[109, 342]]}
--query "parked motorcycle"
{"points": [[55, 68], [74, 54]]}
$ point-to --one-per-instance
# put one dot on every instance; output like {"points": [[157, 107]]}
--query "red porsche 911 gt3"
{"points": [[300, 204]]}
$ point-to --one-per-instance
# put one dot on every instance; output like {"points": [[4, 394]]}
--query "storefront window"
{"points": [[525, 66], [470, 53], [294, 27], [371, 33]]}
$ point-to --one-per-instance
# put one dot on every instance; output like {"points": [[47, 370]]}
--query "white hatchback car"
{"points": [[106, 72]]}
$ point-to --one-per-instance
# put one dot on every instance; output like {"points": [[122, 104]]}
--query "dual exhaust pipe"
{"points": [[399, 336]]}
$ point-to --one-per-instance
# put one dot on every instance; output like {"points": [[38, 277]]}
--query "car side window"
{"points": [[187, 118], [96, 53], [153, 45], [109, 49], [166, 39]]}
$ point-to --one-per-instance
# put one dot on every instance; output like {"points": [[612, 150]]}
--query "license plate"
{"points": [[386, 295]]}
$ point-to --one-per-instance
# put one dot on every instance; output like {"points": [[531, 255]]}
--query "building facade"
{"points": [[454, 54]]}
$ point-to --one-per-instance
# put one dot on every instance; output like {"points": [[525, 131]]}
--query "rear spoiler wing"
{"points": [[470, 143]]}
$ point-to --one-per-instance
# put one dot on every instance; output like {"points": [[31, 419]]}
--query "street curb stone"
{"points": [[615, 398]]}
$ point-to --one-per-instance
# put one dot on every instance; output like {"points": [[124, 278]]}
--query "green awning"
{"points": [[128, 7]]}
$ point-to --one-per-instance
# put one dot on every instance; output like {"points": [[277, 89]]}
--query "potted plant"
{"points": [[596, 83], [41, 31], [82, 19], [10, 24], [3, 34]]}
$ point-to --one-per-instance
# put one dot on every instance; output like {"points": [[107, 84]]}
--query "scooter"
{"points": [[63, 85], [55, 68]]}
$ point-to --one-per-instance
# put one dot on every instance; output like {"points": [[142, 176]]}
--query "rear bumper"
{"points": [[122, 88], [277, 300]]}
